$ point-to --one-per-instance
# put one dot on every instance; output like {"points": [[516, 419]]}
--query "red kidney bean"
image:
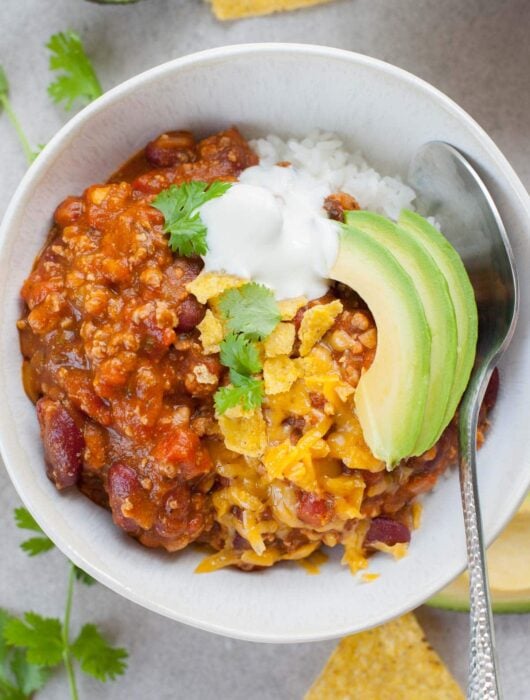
{"points": [[387, 531], [171, 149], [123, 484], [63, 443], [173, 514], [190, 313], [69, 211]]}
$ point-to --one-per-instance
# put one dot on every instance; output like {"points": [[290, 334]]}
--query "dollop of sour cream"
{"points": [[271, 227]]}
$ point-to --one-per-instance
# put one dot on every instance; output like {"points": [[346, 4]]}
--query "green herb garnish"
{"points": [[240, 354], [78, 79], [251, 313], [32, 645], [5, 104], [250, 309], [179, 204], [33, 545], [244, 391], [19, 678]]}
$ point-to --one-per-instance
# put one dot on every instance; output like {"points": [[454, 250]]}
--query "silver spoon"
{"points": [[449, 189]]}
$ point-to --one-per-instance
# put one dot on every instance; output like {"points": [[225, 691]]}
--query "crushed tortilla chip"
{"points": [[211, 284], [289, 307], [279, 374], [245, 435], [391, 662], [280, 341], [316, 321], [368, 578], [211, 330], [234, 9]]}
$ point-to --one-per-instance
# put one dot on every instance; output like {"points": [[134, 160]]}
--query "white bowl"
{"points": [[285, 89]]}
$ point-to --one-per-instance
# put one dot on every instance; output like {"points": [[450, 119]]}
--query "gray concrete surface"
{"points": [[477, 52]]}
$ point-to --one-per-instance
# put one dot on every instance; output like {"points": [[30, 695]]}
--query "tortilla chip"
{"points": [[316, 321], [211, 330], [392, 662], [245, 435], [233, 9], [289, 307], [279, 374], [210, 284], [280, 341]]}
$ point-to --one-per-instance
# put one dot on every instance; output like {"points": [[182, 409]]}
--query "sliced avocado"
{"points": [[508, 570], [462, 296], [432, 288], [391, 395]]}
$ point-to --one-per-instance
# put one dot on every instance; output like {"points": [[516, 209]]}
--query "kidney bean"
{"points": [[313, 510], [174, 511], [387, 531], [63, 443], [190, 313], [171, 149], [69, 211], [123, 485]]}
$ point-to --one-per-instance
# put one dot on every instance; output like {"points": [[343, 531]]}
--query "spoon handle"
{"points": [[483, 678]]}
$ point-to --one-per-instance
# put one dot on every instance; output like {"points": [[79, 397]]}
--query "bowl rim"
{"points": [[62, 140]]}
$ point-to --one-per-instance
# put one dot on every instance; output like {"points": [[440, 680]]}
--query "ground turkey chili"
{"points": [[124, 389]]}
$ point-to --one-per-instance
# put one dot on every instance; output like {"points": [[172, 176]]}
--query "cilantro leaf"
{"points": [[35, 545], [240, 354], [9, 692], [244, 391], [250, 309], [25, 521], [29, 677], [96, 656], [179, 204], [4, 618], [78, 79], [41, 636], [83, 577]]}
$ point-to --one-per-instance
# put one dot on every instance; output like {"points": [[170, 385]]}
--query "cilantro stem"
{"points": [[8, 109], [65, 632]]}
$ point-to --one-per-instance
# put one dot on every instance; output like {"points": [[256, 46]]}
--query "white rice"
{"points": [[322, 155]]}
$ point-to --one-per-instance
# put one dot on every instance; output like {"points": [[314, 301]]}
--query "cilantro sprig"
{"points": [[6, 106], [243, 391], [32, 645], [240, 354], [77, 79], [19, 678], [251, 313], [250, 309], [180, 206]]}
